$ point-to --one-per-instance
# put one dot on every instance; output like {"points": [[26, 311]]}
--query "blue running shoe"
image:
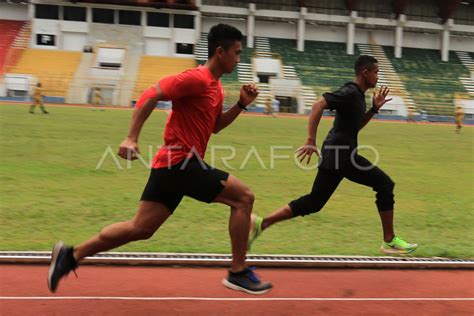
{"points": [[246, 281], [62, 262]]}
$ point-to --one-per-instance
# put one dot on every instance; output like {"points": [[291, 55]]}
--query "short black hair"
{"points": [[364, 62], [222, 35]]}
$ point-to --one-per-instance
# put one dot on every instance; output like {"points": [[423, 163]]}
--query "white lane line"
{"points": [[192, 298]]}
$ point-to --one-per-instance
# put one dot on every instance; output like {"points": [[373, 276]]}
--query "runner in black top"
{"points": [[349, 103], [339, 158]]}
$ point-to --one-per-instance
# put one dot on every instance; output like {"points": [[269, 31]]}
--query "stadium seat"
{"points": [[53, 68], [430, 81], [10, 30], [323, 66], [153, 68]]}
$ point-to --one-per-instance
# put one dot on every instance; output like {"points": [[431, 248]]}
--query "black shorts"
{"points": [[193, 178]]}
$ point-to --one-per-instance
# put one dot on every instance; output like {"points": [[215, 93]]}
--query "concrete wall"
{"points": [[418, 34], [275, 29], [161, 41], [208, 21], [46, 27], [10, 11], [325, 33], [333, 28]]}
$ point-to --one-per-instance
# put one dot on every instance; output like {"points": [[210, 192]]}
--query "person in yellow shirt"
{"points": [[458, 118], [97, 99], [410, 116], [38, 99], [269, 108]]}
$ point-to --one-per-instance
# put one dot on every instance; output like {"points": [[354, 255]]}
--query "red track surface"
{"points": [[106, 290]]}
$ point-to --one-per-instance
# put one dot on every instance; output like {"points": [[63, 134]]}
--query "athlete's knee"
{"points": [[306, 205], [386, 187], [246, 199], [243, 201]]}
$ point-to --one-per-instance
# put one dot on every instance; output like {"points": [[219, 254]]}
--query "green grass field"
{"points": [[51, 190]]}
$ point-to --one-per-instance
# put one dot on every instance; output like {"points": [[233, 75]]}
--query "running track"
{"points": [[112, 290]]}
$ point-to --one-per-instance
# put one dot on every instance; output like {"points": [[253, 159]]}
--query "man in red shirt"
{"points": [[178, 169]]}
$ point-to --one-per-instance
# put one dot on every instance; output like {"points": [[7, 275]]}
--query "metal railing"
{"points": [[280, 261]]}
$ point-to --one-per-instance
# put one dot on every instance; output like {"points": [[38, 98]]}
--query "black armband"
{"points": [[373, 110], [243, 107]]}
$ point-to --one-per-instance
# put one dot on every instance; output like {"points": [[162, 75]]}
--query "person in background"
{"points": [[276, 105], [97, 100], [38, 99], [410, 115], [269, 107], [458, 118]]}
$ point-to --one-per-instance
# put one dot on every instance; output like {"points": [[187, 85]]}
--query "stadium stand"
{"points": [[10, 31], [431, 82], [134, 37], [54, 71], [153, 68], [323, 66], [18, 46], [468, 60]]}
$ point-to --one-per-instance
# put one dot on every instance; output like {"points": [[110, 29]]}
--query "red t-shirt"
{"points": [[197, 103]]}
